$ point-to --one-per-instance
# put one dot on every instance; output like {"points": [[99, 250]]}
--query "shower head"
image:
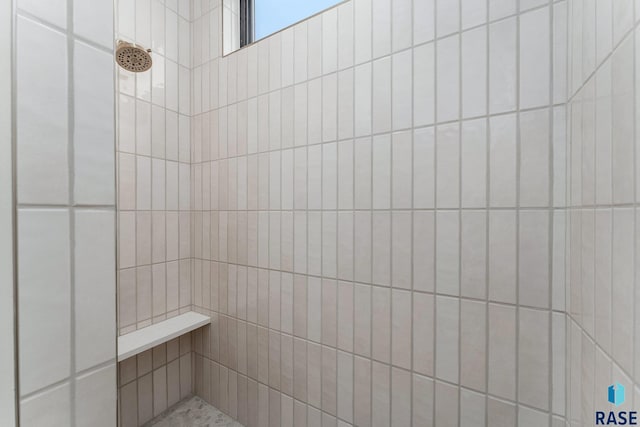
{"points": [[132, 57]]}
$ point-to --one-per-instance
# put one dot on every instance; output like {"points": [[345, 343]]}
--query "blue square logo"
{"points": [[616, 394]]}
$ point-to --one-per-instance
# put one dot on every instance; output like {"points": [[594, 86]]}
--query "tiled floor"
{"points": [[193, 412]]}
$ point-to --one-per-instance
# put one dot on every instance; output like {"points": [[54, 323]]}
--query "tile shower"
{"points": [[396, 212]]}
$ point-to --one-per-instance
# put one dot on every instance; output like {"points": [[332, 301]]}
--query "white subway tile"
{"points": [[474, 13], [400, 397], [314, 47], [502, 66], [401, 257], [622, 118], [423, 168], [473, 254], [381, 183], [275, 64], [448, 77], [41, 111], [96, 396], [93, 130], [474, 72], [329, 41], [51, 407], [423, 400], [501, 8], [502, 178], [533, 266], [474, 163], [401, 335], [126, 123], [362, 324], [44, 303], [346, 39], [560, 56], [402, 90], [314, 248], [423, 29], [381, 24], [363, 98], [363, 248], [502, 250], [423, 251], [329, 107], [447, 17], [93, 20], [143, 128], [401, 11], [299, 53], [54, 12], [473, 346], [534, 58], [502, 351], [382, 95], [158, 30], [533, 358], [534, 158], [402, 170], [621, 287], [381, 251], [472, 409], [314, 111], [329, 244], [447, 252], [345, 256], [448, 166], [94, 287], [447, 338], [143, 183]]}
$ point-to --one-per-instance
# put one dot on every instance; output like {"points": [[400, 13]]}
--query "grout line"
{"points": [[435, 215], [487, 213], [412, 356], [320, 81], [384, 133], [72, 217], [458, 36], [518, 219], [635, 287], [392, 291], [371, 203], [353, 221], [551, 217], [116, 168], [15, 341]]}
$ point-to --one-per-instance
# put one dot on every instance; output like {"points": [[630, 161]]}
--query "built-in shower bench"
{"points": [[145, 338]]}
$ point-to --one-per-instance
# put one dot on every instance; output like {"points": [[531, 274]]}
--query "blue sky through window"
{"points": [[273, 15]]}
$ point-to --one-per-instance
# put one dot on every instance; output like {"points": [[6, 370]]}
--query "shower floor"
{"points": [[193, 412]]}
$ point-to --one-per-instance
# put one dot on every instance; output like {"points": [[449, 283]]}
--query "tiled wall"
{"points": [[64, 103], [379, 217], [604, 297], [154, 201], [231, 25], [154, 165], [155, 380]]}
